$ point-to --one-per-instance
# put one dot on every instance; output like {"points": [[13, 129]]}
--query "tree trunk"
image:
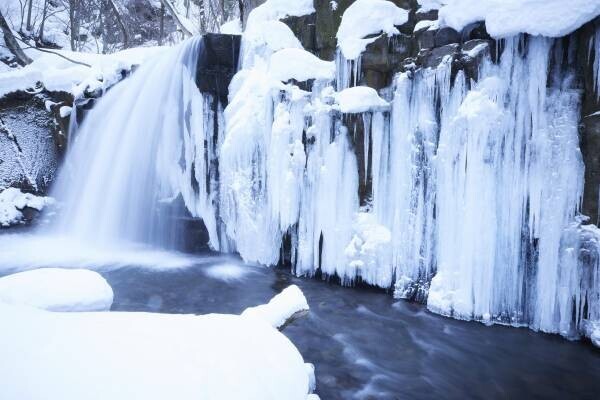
{"points": [[161, 33], [73, 23], [12, 44], [176, 17], [44, 13], [121, 23], [28, 26]]}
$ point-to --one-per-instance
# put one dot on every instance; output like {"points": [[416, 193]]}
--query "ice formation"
{"points": [[56, 289]]}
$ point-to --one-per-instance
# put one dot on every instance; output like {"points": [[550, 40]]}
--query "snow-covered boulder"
{"points": [[300, 65], [56, 289], [364, 18], [125, 355], [281, 308], [360, 99], [13, 202]]}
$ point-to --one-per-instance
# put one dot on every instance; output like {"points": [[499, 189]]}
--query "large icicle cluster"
{"points": [[473, 186]]}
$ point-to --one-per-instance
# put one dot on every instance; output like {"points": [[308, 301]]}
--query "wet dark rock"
{"points": [[383, 58], [472, 54], [590, 122], [426, 38], [217, 63], [473, 31], [446, 36], [433, 57]]}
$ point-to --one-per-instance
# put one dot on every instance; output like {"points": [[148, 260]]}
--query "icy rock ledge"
{"points": [[133, 355], [56, 289]]}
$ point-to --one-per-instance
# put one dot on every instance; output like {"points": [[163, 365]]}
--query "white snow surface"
{"points": [[360, 99], [57, 74], [277, 9], [504, 18], [129, 355], [364, 18], [281, 307], [233, 27], [56, 289], [299, 64], [13, 201]]}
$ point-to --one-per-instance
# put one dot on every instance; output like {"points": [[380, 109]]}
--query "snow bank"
{"points": [[56, 289], [13, 201], [504, 18], [126, 355], [300, 65], [281, 307], [58, 74], [360, 99], [364, 18]]}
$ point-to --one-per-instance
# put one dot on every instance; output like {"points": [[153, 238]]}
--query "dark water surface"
{"points": [[366, 345]]}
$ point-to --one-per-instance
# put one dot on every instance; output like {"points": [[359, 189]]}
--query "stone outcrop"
{"points": [[32, 136]]}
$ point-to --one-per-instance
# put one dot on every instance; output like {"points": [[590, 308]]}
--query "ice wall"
{"points": [[471, 191]]}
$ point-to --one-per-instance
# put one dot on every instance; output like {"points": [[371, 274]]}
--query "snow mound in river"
{"points": [[56, 289]]}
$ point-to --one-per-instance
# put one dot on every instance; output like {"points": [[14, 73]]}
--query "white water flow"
{"points": [[127, 163]]}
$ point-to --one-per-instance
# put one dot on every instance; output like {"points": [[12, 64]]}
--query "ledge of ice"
{"points": [[56, 289], [300, 65], [504, 18], [360, 99], [364, 18]]}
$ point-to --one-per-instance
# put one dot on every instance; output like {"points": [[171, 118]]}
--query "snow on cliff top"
{"points": [[359, 99], [278, 9], [59, 74], [134, 355], [503, 18], [364, 18], [300, 65], [56, 289]]}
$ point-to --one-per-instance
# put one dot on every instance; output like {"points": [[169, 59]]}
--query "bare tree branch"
{"points": [[176, 17], [12, 44], [121, 23]]}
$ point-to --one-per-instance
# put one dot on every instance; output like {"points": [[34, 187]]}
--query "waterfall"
{"points": [[140, 148]]}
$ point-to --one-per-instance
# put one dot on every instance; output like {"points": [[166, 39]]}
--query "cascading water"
{"points": [[132, 157]]}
